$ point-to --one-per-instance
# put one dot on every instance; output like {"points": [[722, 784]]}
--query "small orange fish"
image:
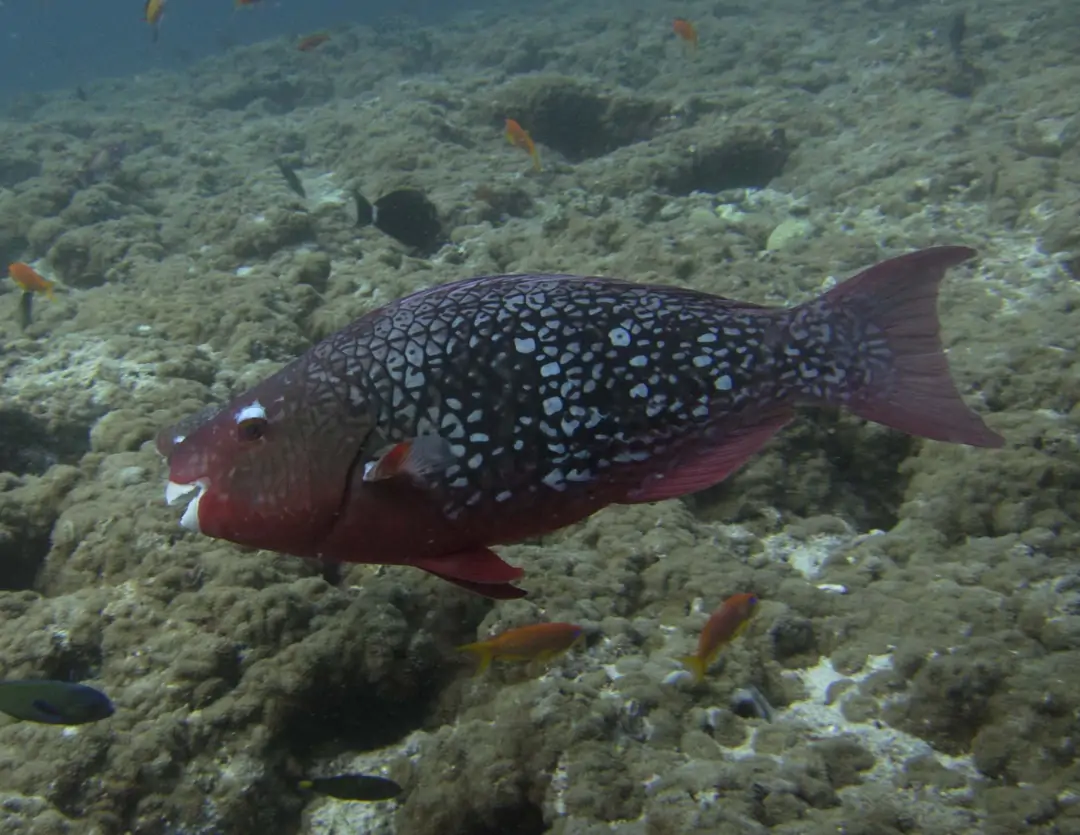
{"points": [[312, 41], [519, 138], [687, 31], [152, 12], [29, 279], [539, 642], [724, 625]]}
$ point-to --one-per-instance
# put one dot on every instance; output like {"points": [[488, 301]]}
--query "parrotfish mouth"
{"points": [[175, 492]]}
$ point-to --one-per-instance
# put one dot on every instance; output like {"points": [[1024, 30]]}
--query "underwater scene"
{"points": [[551, 418]]}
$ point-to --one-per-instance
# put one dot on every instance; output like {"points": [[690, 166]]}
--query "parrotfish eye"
{"points": [[251, 423]]}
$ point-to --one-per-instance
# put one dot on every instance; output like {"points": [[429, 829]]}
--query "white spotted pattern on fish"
{"points": [[553, 383]]}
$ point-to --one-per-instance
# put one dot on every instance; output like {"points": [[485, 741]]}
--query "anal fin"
{"points": [[496, 591], [712, 466], [481, 571]]}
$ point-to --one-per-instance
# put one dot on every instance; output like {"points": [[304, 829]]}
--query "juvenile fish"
{"points": [[542, 399], [288, 173], [353, 787]]}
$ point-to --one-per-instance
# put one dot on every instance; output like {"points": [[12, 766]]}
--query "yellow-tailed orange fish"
{"points": [[310, 42], [539, 642], [152, 12], [687, 31], [519, 137], [29, 279], [723, 626]]}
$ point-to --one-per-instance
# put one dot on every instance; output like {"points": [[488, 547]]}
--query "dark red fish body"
{"points": [[553, 397]]}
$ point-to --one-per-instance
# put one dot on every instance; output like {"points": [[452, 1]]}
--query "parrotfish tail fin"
{"points": [[482, 652], [365, 212], [899, 375], [695, 665]]}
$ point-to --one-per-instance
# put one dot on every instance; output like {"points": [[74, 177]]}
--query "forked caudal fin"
{"points": [[914, 392]]}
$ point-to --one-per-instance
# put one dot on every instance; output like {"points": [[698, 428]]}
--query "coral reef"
{"points": [[919, 632]]}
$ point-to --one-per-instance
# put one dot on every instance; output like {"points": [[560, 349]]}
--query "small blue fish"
{"points": [[53, 702]]}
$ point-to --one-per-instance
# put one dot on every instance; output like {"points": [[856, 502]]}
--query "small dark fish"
{"points": [[353, 787], [956, 34], [406, 215], [291, 180], [53, 702], [80, 94], [26, 309]]}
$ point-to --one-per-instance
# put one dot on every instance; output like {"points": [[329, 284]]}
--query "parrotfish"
{"points": [[492, 410]]}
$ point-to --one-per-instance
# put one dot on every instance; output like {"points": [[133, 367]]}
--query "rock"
{"points": [[787, 231]]}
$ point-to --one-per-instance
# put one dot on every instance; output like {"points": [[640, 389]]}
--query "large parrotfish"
{"points": [[491, 410]]}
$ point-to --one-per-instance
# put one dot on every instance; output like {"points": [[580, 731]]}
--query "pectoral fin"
{"points": [[420, 459]]}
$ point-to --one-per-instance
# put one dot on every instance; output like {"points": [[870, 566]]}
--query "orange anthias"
{"points": [[539, 642], [724, 625], [29, 279], [687, 31], [152, 12], [310, 42], [517, 136]]}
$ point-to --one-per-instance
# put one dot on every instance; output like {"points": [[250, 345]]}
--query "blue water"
{"points": [[51, 44]]}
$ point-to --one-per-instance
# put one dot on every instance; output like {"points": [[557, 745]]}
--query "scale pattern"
{"points": [[546, 382]]}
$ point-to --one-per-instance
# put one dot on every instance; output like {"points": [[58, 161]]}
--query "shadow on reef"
{"points": [[749, 158], [575, 119], [523, 819], [26, 447], [342, 721], [22, 553]]}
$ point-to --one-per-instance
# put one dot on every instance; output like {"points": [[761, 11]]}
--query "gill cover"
{"points": [[268, 470]]}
